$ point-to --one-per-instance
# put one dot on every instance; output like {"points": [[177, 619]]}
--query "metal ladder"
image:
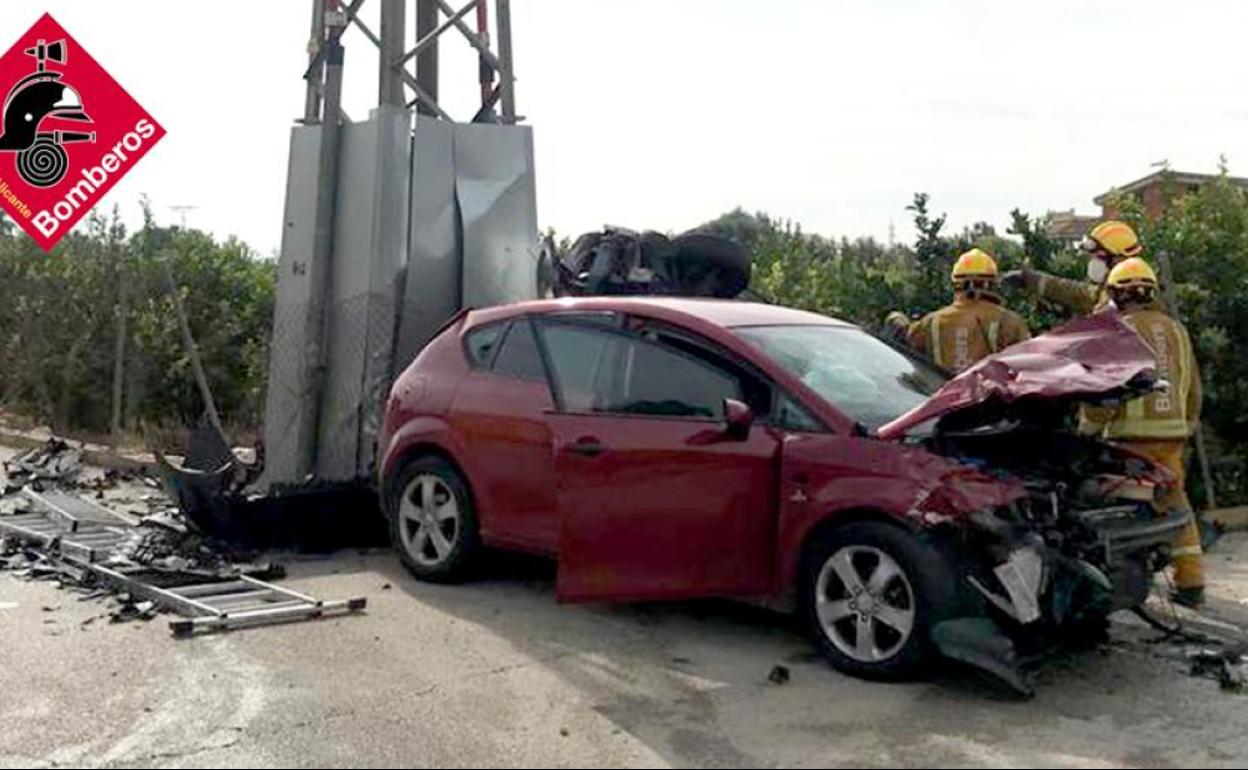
{"points": [[229, 604], [84, 534], [78, 527]]}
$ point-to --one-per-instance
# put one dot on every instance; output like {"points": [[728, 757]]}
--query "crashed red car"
{"points": [[674, 448]]}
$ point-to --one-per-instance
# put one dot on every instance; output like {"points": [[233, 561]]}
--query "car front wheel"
{"points": [[433, 524], [871, 593]]}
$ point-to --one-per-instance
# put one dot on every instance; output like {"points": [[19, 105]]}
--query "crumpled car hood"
{"points": [[1088, 358]]}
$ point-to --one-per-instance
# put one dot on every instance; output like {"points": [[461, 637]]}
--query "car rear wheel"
{"points": [[433, 524], [871, 593]]}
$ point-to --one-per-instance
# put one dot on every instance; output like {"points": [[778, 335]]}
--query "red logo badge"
{"points": [[69, 132]]}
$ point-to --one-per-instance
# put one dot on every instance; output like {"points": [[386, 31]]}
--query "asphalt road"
{"points": [[498, 673]]}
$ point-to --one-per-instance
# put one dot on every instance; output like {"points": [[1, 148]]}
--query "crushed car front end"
{"points": [[1085, 534]]}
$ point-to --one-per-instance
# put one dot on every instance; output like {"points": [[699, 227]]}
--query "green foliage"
{"points": [[59, 324]]}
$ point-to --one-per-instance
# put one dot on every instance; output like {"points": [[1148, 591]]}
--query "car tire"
{"points": [[433, 523], [915, 590]]}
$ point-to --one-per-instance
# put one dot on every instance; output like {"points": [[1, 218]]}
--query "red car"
{"points": [[674, 448]]}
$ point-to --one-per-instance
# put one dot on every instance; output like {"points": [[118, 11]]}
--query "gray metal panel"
{"points": [[390, 256], [288, 385], [497, 197], [431, 293], [370, 234], [337, 439]]}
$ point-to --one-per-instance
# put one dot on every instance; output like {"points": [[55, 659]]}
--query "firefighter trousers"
{"points": [[1186, 557]]}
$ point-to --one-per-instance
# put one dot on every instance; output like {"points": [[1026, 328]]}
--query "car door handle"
{"points": [[589, 447]]}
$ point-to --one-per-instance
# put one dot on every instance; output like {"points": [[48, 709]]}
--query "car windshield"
{"points": [[855, 372]]}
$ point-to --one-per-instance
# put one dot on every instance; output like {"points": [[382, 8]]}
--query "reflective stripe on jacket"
{"points": [[957, 336], [1170, 413]]}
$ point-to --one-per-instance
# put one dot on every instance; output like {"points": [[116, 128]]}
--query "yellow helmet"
{"points": [[1132, 273], [973, 264], [1117, 238]]}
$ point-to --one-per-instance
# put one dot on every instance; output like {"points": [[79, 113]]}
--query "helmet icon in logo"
{"points": [[41, 157]]}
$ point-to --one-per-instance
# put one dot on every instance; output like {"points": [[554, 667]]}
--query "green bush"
{"points": [[59, 325]]}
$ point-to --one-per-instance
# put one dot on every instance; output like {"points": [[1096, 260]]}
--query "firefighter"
{"points": [[974, 326], [1158, 424], [1109, 243]]}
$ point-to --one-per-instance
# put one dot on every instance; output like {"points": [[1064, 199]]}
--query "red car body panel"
{"points": [[826, 475], [672, 507], [1086, 357], [508, 453]]}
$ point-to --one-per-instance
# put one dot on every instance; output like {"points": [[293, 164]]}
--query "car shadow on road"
{"points": [[691, 679]]}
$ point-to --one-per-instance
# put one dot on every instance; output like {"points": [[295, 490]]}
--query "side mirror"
{"points": [[738, 418]]}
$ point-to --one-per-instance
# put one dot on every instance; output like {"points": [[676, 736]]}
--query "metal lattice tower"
{"points": [[409, 77]]}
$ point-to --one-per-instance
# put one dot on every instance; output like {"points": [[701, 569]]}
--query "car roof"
{"points": [[726, 313]]}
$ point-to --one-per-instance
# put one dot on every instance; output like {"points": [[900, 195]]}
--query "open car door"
{"points": [[658, 497]]}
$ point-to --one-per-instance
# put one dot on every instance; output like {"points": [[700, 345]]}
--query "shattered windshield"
{"points": [[855, 372]]}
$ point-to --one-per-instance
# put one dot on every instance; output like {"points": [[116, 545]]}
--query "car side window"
{"points": [[577, 357], [655, 380], [602, 371], [790, 415], [519, 356], [480, 343]]}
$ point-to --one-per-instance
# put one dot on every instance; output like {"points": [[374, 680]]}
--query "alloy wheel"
{"points": [[865, 603], [429, 520]]}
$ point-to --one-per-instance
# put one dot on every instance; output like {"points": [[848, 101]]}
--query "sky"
{"points": [[663, 114]]}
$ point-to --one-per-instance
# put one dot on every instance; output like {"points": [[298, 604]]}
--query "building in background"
{"points": [[1067, 227], [1159, 188], [1154, 192]]}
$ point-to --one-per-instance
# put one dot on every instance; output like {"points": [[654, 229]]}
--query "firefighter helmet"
{"points": [[1132, 273], [1117, 238], [975, 264]]}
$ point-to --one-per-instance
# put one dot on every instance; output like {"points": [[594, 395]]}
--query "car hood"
{"points": [[1092, 358]]}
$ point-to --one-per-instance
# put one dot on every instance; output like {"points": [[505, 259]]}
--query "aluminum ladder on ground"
{"points": [[78, 527], [229, 604], [85, 533]]}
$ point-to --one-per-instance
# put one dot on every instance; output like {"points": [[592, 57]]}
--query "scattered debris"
{"points": [[779, 675], [100, 535], [618, 261], [56, 461], [129, 609], [1225, 666]]}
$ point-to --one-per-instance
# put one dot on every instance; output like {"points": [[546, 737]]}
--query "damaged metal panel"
{"points": [[368, 256], [468, 193], [1097, 356], [496, 191], [431, 291], [389, 257], [288, 383]]}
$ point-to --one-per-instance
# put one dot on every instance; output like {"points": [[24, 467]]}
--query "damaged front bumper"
{"points": [[1051, 589]]}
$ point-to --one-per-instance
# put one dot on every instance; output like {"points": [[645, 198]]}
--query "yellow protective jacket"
{"points": [[960, 334], [1077, 297], [1169, 414]]}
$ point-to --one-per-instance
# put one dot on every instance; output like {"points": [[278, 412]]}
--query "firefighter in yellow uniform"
{"points": [[974, 326], [1108, 244], [1158, 424]]}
